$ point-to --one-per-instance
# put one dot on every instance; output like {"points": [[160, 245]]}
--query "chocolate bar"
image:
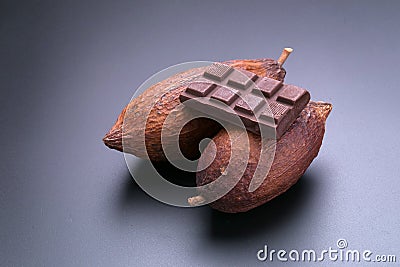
{"points": [[261, 103]]}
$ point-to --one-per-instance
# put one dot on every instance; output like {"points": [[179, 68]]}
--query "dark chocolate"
{"points": [[261, 103]]}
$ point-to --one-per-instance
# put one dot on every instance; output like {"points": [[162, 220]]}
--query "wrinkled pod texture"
{"points": [[145, 115], [294, 152]]}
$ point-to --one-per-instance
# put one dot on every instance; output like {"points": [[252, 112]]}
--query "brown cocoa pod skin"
{"points": [[295, 151], [162, 98]]}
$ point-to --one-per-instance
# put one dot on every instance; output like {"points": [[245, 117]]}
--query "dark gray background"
{"points": [[67, 68]]}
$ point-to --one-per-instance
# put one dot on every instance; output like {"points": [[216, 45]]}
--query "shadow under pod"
{"points": [[217, 226], [132, 197], [264, 219]]}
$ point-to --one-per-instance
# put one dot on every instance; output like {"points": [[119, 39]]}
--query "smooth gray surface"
{"points": [[68, 67]]}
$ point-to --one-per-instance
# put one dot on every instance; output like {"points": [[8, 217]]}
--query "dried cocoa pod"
{"points": [[295, 151], [159, 101]]}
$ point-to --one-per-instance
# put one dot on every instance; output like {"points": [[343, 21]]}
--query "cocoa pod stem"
{"points": [[285, 54], [196, 201]]}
